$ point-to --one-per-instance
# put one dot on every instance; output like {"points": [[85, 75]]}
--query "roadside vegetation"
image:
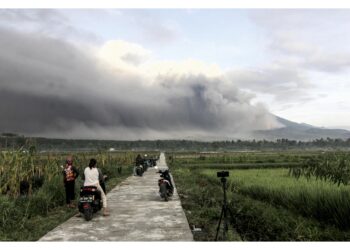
{"points": [[27, 217], [269, 204]]}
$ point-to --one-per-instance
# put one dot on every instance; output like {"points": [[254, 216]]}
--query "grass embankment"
{"points": [[267, 204], [260, 221], [202, 203], [321, 200]]}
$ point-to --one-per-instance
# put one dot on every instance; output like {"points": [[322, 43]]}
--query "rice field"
{"points": [[311, 198], [269, 203]]}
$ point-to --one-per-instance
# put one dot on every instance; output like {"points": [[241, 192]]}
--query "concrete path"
{"points": [[137, 214]]}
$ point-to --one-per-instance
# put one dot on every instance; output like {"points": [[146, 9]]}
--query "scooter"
{"points": [[139, 170], [166, 188], [145, 165], [90, 201], [153, 162]]}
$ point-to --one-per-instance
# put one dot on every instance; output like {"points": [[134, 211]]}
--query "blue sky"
{"points": [[220, 36]]}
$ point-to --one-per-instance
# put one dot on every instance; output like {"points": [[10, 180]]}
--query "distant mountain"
{"points": [[300, 131]]}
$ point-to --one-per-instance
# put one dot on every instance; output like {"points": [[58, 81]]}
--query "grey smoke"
{"points": [[285, 84], [49, 87]]}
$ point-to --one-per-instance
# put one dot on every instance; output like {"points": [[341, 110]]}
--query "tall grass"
{"points": [[18, 213], [269, 204], [201, 203], [254, 220], [17, 166], [332, 166], [321, 200]]}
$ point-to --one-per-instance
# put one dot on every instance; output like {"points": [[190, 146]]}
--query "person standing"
{"points": [[138, 163], [138, 160], [102, 180], [91, 178], [70, 173]]}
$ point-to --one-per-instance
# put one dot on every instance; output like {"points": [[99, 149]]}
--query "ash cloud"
{"points": [[283, 82], [49, 87]]}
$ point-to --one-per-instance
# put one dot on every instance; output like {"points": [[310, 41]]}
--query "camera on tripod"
{"points": [[223, 174], [225, 211]]}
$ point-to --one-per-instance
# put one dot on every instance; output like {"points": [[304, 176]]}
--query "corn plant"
{"points": [[334, 167]]}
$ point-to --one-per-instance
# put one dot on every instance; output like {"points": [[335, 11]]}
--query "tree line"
{"points": [[13, 141]]}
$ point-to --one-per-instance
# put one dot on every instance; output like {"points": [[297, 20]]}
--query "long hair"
{"points": [[92, 163]]}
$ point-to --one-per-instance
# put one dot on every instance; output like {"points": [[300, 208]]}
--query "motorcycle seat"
{"points": [[89, 190]]}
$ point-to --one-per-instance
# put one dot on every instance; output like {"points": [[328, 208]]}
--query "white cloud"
{"points": [[117, 52]]}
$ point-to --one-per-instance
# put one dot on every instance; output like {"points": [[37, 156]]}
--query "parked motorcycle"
{"points": [[146, 164], [166, 188], [153, 162], [90, 201], [139, 170]]}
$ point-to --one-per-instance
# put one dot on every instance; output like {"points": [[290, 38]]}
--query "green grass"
{"points": [[260, 221], [312, 198], [28, 219], [235, 166], [240, 157], [201, 204], [254, 220], [267, 204], [24, 218]]}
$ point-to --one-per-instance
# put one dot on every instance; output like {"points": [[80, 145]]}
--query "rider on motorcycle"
{"points": [[91, 176], [166, 175]]}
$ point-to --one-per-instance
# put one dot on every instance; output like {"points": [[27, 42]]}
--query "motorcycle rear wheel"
{"points": [[88, 213], [163, 191], [139, 172]]}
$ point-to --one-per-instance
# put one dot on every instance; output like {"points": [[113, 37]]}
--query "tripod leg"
{"points": [[218, 228], [231, 214], [228, 216], [225, 223]]}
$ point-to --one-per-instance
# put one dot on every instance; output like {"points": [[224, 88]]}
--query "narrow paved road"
{"points": [[137, 214]]}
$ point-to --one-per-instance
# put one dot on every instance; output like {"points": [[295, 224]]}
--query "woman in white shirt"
{"points": [[92, 179]]}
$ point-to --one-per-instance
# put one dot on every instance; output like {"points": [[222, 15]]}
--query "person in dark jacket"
{"points": [[70, 173], [139, 160], [138, 163]]}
